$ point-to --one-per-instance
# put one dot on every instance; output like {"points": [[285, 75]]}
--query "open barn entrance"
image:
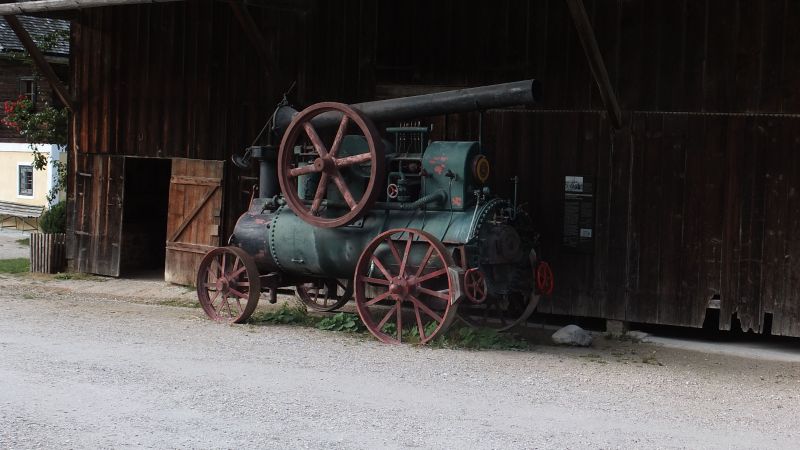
{"points": [[144, 220]]}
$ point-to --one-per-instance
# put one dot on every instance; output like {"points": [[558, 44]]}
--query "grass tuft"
{"points": [[16, 265], [286, 315]]}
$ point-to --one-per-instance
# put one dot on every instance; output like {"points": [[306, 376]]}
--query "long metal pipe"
{"points": [[458, 101]]}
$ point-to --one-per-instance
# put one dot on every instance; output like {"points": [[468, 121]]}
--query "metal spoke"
{"points": [[342, 185], [380, 267], [221, 303], [315, 140], [394, 251], [424, 263], [337, 141], [303, 170], [237, 273], [228, 303], [387, 316], [322, 189], [234, 268], [236, 293], [214, 272], [431, 275], [378, 298], [425, 308], [375, 281], [214, 298], [348, 161], [438, 294], [419, 322], [405, 255]]}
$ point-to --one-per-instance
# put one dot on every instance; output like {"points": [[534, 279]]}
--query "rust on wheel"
{"points": [[406, 286], [325, 165], [325, 295], [228, 286]]}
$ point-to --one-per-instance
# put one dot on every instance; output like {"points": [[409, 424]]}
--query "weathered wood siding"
{"points": [[695, 196]]}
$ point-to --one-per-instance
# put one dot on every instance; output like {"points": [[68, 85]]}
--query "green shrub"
{"points": [[342, 322], [54, 220], [285, 314]]}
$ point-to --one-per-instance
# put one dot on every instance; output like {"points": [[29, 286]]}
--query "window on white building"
{"points": [[26, 180]]}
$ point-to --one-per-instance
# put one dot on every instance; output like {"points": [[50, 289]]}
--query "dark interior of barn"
{"points": [[144, 220]]}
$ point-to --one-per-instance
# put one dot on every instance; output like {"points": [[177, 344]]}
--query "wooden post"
{"points": [[253, 33], [61, 5], [595, 59], [41, 63]]}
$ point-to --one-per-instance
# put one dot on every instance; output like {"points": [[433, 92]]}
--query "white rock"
{"points": [[640, 336], [572, 335]]}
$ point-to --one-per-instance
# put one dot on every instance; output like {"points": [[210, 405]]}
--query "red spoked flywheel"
{"points": [[545, 282]]}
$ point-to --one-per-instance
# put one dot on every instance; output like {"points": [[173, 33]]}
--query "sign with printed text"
{"points": [[578, 213]]}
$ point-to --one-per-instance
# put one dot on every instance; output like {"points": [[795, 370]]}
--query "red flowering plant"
{"points": [[46, 125], [17, 113]]}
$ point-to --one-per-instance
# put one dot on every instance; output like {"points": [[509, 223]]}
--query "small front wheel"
{"points": [[228, 286]]}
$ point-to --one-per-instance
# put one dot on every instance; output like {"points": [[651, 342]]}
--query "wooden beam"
{"points": [[253, 33], [595, 59], [41, 64], [36, 6]]}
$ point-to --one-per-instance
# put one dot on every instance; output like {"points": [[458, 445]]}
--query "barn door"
{"points": [[193, 221], [94, 228]]}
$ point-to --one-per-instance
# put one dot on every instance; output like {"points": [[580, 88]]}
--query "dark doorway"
{"points": [[144, 220]]}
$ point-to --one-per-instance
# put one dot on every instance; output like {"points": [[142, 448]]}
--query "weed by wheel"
{"points": [[285, 314], [349, 323], [480, 339]]}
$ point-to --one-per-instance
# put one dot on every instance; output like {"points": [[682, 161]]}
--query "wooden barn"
{"points": [[690, 203]]}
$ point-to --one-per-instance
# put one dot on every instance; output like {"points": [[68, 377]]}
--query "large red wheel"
{"points": [[328, 166], [325, 295], [227, 277], [406, 286]]}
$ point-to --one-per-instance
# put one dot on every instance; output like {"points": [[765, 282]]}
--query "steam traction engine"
{"points": [[404, 225]]}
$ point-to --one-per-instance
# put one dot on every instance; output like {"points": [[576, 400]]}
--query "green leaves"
{"points": [[54, 220], [286, 315], [349, 323]]}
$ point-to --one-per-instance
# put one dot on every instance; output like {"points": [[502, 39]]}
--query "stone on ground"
{"points": [[572, 335]]}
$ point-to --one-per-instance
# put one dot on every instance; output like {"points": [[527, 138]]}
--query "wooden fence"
{"points": [[48, 252]]}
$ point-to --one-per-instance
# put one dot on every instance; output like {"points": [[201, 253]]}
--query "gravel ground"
{"points": [[87, 370], [10, 248]]}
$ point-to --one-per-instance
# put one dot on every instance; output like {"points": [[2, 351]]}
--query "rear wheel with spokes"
{"points": [[406, 285]]}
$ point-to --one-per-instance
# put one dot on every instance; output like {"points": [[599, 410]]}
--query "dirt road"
{"points": [[90, 371]]}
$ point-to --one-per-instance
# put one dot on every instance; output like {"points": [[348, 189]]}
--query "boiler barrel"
{"points": [[458, 101], [283, 242]]}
